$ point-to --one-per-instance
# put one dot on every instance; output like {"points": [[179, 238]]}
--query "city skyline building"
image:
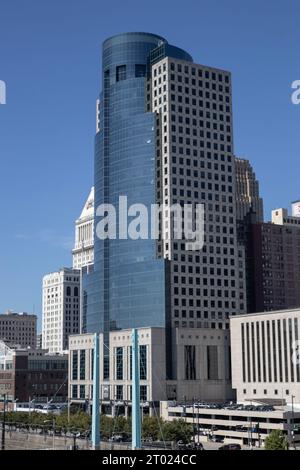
{"points": [[18, 329], [247, 192], [164, 135], [269, 368], [83, 251], [276, 262], [28, 374], [250, 210], [61, 308]]}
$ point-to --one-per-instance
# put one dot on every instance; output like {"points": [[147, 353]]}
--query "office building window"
{"points": [[140, 70], [143, 362], [253, 353], [243, 352], [297, 339], [119, 392], [119, 363], [130, 363], [121, 73], [82, 391], [258, 343], [274, 350], [106, 367], [212, 363], [82, 365], [285, 351], [75, 365], [92, 364], [269, 351], [143, 392], [74, 391], [291, 349], [279, 350], [190, 362]]}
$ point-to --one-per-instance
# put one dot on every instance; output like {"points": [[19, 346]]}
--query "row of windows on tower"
{"points": [[201, 103], [216, 116], [195, 112], [202, 144], [212, 315], [192, 123], [75, 291], [196, 133], [193, 91], [192, 70], [177, 182], [121, 72], [184, 140]]}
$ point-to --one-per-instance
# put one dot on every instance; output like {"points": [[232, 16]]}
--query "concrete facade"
{"points": [[18, 329], [276, 263], [245, 427], [26, 374], [267, 348], [201, 365], [83, 251], [61, 308], [195, 164], [247, 191]]}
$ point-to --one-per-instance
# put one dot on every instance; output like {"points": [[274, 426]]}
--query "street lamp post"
{"points": [[293, 423], [3, 423], [75, 435], [69, 405], [53, 430]]}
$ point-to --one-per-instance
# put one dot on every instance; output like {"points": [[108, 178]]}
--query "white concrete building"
{"points": [[61, 308], [201, 364], [267, 347], [83, 252], [282, 217], [195, 165]]}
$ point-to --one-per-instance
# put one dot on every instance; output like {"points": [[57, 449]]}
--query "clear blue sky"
{"points": [[50, 60]]}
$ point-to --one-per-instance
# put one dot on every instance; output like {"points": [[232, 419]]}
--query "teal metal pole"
{"points": [[136, 411], [96, 396]]}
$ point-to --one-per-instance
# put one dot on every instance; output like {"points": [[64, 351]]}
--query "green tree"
{"points": [[152, 428], [177, 430], [276, 440]]}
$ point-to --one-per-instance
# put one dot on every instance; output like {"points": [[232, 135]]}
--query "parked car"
{"points": [[117, 438], [217, 439], [194, 446], [230, 447]]}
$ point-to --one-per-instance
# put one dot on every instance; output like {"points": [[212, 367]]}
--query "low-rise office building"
{"points": [[201, 362], [27, 374], [266, 377], [267, 348], [18, 328]]}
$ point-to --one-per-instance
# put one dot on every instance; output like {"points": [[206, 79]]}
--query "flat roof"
{"points": [[243, 315]]}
